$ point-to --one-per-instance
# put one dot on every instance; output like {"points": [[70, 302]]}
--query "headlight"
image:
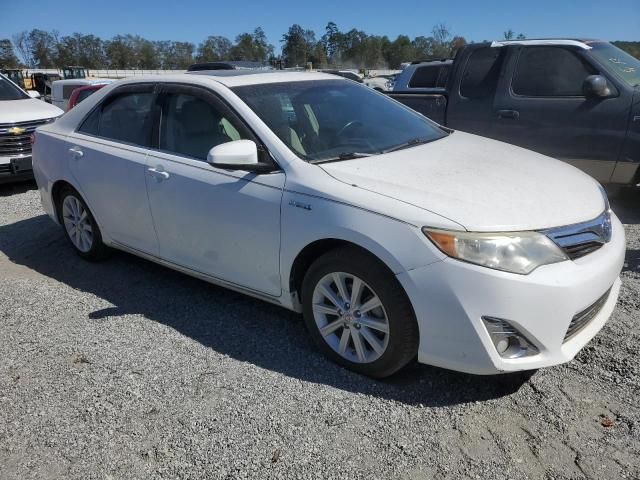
{"points": [[515, 252]]}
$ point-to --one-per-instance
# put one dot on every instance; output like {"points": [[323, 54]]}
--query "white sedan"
{"points": [[396, 239]]}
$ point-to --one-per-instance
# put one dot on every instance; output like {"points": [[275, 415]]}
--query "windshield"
{"points": [[325, 120], [9, 91], [620, 62]]}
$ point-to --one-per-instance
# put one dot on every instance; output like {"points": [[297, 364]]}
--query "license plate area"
{"points": [[21, 165]]}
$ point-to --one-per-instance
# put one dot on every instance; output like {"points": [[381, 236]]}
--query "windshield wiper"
{"points": [[345, 156], [411, 143]]}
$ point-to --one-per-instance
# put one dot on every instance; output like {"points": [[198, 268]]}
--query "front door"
{"points": [[223, 223], [542, 107], [107, 157]]}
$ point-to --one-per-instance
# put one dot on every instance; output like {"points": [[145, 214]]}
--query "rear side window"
{"points": [[550, 72], [425, 77], [480, 78], [125, 118]]}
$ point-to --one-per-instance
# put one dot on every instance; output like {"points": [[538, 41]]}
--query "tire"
{"points": [[78, 222], [359, 271]]}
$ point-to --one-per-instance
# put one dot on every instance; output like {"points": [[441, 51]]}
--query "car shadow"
{"points": [[626, 204], [8, 189], [230, 323]]}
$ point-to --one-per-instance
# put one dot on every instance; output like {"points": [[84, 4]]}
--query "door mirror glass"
{"points": [[596, 86], [238, 155]]}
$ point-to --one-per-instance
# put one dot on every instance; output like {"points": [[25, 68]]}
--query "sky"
{"points": [[194, 20]]}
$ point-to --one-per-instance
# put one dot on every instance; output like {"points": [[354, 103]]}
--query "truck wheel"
{"points": [[358, 314], [80, 227]]}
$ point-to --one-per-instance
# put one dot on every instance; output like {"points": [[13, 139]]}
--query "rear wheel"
{"points": [[80, 227], [358, 314]]}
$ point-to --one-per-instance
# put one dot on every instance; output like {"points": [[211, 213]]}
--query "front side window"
{"points": [[327, 120], [482, 72], [124, 118], [9, 91], [550, 72], [192, 126]]}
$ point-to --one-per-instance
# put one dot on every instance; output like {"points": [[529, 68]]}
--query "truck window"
{"points": [[480, 78], [443, 78], [425, 77], [550, 72]]}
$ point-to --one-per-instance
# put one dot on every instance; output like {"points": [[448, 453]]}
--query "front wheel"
{"points": [[358, 314]]}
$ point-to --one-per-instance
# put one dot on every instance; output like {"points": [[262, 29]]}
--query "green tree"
{"points": [[399, 51], [332, 41], [120, 52], [180, 56], [298, 45], [37, 48], [214, 48], [8, 57]]}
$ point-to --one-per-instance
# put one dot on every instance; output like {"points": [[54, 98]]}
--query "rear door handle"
{"points": [[159, 175], [76, 152], [512, 114]]}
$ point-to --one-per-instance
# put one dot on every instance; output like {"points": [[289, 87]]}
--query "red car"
{"points": [[79, 94]]}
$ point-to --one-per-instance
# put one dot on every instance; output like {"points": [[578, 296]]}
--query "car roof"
{"points": [[580, 43], [229, 65], [236, 78]]}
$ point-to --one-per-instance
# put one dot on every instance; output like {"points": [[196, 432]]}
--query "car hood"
{"points": [[14, 111], [481, 184]]}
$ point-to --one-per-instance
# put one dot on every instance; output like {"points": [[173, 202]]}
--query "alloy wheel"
{"points": [[350, 317], [77, 224]]}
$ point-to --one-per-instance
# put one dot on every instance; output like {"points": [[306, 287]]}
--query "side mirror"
{"points": [[33, 93], [596, 86], [238, 155]]}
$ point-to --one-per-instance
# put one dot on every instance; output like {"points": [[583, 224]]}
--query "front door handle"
{"points": [[512, 114], [159, 175], [76, 152]]}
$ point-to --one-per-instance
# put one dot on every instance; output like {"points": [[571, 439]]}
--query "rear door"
{"points": [[542, 107], [472, 94], [107, 156]]}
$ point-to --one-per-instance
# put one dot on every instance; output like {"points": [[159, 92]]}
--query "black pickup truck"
{"points": [[575, 100]]}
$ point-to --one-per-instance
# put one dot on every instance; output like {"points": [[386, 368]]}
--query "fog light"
{"points": [[507, 340]]}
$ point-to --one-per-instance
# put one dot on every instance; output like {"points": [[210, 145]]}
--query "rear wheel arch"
{"points": [[56, 192]]}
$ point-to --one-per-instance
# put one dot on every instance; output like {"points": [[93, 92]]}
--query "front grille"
{"points": [[583, 238], [5, 168], [582, 319], [581, 249], [12, 145]]}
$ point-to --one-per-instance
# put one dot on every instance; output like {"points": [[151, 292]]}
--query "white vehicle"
{"points": [[382, 83], [61, 90], [20, 115], [396, 240]]}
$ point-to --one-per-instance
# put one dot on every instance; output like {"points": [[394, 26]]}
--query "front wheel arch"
{"points": [[315, 250]]}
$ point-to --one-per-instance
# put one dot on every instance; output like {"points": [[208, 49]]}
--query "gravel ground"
{"points": [[124, 369]]}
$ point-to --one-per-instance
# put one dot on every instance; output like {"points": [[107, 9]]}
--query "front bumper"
{"points": [[450, 297], [13, 169]]}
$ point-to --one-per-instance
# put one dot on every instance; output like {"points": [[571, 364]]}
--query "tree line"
{"points": [[334, 48]]}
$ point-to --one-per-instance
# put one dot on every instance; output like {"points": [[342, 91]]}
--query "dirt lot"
{"points": [[125, 370]]}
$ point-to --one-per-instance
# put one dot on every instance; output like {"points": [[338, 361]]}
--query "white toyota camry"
{"points": [[396, 238]]}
